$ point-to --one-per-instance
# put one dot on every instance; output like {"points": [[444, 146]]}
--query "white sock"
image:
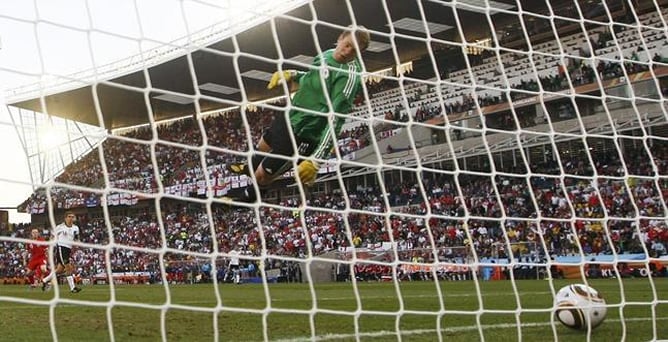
{"points": [[49, 277], [70, 281]]}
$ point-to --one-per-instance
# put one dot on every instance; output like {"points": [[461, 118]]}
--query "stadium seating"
{"points": [[187, 228]]}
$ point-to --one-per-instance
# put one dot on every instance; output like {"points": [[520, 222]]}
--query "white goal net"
{"points": [[474, 159]]}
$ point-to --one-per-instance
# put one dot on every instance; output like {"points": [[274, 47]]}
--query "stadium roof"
{"points": [[251, 54], [122, 98]]}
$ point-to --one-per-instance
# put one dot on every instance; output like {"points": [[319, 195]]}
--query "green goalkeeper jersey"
{"points": [[343, 83]]}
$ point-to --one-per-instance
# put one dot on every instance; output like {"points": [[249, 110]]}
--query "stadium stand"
{"points": [[187, 227]]}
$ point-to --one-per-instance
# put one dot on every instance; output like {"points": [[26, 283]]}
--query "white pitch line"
{"points": [[450, 330], [320, 299], [447, 295], [385, 333]]}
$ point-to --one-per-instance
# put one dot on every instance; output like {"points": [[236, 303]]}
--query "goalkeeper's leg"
{"points": [[276, 140], [273, 137], [266, 172], [248, 194], [253, 164]]}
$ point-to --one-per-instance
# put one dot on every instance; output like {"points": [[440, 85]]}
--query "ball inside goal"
{"points": [[579, 307]]}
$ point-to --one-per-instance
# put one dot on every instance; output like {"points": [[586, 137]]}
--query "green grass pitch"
{"points": [[452, 311]]}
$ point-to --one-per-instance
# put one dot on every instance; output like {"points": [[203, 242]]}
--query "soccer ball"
{"points": [[579, 306]]}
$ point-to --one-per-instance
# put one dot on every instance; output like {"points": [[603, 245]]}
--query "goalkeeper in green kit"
{"points": [[333, 78]]}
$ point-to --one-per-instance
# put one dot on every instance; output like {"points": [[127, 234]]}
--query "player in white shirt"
{"points": [[234, 265], [64, 234]]}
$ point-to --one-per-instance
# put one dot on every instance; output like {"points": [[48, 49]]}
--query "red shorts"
{"points": [[36, 263]]}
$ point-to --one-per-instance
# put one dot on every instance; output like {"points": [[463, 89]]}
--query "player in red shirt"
{"points": [[38, 261]]}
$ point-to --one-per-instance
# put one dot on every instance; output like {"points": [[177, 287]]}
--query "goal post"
{"points": [[495, 152]]}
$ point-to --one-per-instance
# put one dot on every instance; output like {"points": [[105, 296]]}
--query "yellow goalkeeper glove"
{"points": [[307, 171], [279, 76]]}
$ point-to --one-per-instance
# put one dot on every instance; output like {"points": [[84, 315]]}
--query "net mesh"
{"points": [[486, 168]]}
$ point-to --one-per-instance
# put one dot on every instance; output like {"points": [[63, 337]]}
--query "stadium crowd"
{"points": [[576, 217]]}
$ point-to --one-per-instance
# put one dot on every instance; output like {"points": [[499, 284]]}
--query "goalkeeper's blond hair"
{"points": [[362, 36]]}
